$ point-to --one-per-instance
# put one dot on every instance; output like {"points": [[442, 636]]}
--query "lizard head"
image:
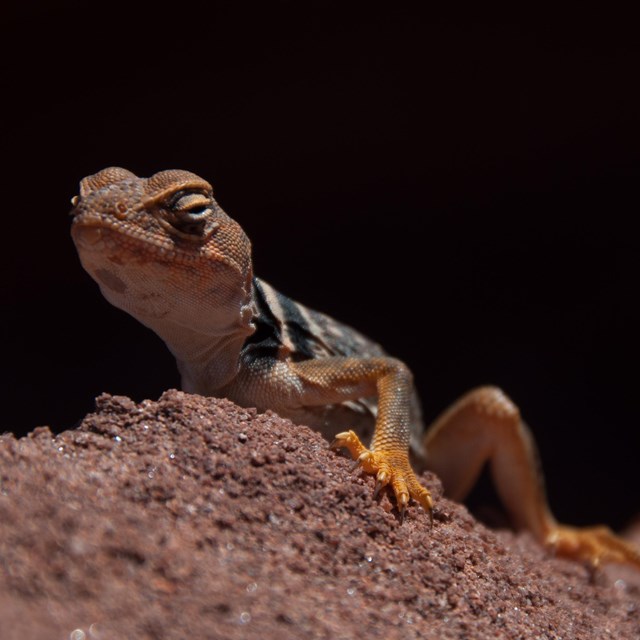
{"points": [[163, 250]]}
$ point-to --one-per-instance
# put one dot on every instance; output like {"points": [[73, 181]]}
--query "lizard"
{"points": [[163, 250]]}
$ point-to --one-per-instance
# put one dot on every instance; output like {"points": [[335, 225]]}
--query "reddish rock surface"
{"points": [[190, 517]]}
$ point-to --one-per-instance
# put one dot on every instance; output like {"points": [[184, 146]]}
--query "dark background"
{"points": [[465, 193]]}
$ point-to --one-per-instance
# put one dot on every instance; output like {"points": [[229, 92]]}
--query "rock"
{"points": [[191, 517]]}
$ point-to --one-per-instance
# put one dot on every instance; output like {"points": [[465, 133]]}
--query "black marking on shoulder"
{"points": [[299, 333], [266, 341], [290, 331]]}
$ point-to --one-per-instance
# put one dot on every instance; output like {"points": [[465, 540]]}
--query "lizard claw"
{"points": [[390, 468], [382, 480]]}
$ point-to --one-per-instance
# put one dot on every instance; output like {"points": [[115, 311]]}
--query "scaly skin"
{"points": [[163, 250]]}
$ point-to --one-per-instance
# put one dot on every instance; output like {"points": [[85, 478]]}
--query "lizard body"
{"points": [[164, 251]]}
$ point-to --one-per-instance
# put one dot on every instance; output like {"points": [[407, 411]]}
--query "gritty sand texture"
{"points": [[190, 517]]}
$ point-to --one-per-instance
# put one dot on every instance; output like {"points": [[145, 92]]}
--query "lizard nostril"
{"points": [[121, 210]]}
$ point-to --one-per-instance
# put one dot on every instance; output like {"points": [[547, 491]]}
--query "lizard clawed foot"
{"points": [[390, 468], [595, 545]]}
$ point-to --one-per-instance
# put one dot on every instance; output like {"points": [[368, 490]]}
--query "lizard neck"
{"points": [[208, 360]]}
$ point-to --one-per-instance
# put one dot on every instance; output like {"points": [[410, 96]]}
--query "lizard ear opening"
{"points": [[107, 176]]}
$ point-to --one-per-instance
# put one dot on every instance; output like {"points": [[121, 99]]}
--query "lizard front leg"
{"points": [[332, 380], [485, 426]]}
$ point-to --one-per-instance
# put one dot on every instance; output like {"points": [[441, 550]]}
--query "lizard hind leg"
{"points": [[485, 426]]}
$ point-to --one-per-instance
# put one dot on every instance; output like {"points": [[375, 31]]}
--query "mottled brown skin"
{"points": [[164, 251]]}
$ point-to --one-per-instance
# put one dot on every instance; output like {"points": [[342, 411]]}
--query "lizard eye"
{"points": [[190, 214], [194, 204]]}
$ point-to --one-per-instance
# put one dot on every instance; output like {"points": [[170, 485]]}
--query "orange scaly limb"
{"points": [[485, 427], [333, 379]]}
